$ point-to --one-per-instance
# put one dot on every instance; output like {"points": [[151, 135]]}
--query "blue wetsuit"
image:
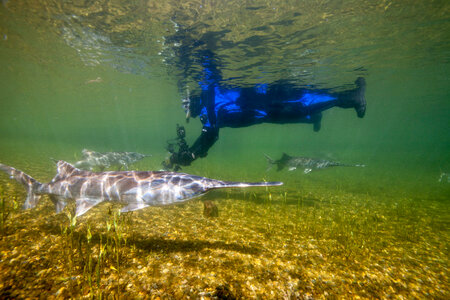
{"points": [[220, 107], [248, 106]]}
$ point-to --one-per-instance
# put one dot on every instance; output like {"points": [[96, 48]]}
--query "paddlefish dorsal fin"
{"points": [[86, 153], [63, 170], [283, 161], [285, 157]]}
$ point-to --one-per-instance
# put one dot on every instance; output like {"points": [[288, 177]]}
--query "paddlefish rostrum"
{"points": [[136, 189]]}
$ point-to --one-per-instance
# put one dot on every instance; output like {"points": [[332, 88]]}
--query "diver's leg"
{"points": [[316, 120], [314, 103]]}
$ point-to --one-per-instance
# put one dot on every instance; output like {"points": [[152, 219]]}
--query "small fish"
{"points": [[92, 159], [136, 189], [309, 164], [96, 80]]}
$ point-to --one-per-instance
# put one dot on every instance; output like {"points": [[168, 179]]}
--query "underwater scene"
{"points": [[224, 149]]}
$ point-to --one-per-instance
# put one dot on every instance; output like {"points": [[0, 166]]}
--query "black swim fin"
{"points": [[354, 98], [360, 99]]}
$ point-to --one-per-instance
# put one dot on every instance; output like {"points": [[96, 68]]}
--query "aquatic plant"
{"points": [[8, 205], [5, 210], [118, 238], [321, 244], [210, 209], [92, 254], [3, 215]]}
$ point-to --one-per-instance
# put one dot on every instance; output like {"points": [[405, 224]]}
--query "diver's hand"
{"points": [[183, 158], [166, 165]]}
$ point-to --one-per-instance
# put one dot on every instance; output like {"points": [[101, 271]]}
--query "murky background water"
{"points": [[109, 76]]}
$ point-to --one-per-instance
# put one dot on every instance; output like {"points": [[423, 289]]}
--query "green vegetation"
{"points": [[267, 244], [8, 204]]}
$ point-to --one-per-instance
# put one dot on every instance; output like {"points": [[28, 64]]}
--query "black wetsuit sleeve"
{"points": [[205, 141], [210, 132]]}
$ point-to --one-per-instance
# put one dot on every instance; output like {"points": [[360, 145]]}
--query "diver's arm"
{"points": [[185, 156], [210, 133], [205, 141]]}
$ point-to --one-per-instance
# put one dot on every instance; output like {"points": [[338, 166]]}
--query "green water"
{"points": [[49, 109]]}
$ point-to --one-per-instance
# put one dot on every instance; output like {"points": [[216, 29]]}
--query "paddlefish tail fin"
{"points": [[31, 184], [270, 162]]}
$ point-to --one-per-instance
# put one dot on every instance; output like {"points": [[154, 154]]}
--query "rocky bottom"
{"points": [[261, 245]]}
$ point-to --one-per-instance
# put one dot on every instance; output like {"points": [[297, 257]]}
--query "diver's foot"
{"points": [[360, 99]]}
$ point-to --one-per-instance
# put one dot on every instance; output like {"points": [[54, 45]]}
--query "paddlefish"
{"points": [[307, 163], [136, 189], [92, 159]]}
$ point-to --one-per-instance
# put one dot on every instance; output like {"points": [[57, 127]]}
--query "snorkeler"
{"points": [[281, 103]]}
